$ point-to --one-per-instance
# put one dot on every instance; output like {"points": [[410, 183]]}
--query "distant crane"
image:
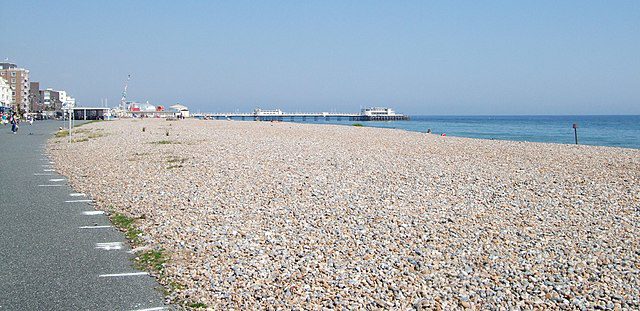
{"points": [[123, 100]]}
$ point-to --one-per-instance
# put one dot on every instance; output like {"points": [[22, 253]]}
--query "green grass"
{"points": [[122, 221], [165, 142], [63, 133], [176, 161], [133, 235], [125, 224], [197, 305], [176, 286], [147, 260], [172, 287], [151, 260], [358, 124], [79, 140], [96, 135]]}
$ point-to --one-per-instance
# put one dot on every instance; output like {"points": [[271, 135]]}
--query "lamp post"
{"points": [[70, 112], [575, 131]]}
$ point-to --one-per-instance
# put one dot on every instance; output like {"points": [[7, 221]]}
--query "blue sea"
{"points": [[614, 131]]}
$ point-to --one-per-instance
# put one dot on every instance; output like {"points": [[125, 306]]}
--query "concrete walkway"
{"points": [[48, 261]]}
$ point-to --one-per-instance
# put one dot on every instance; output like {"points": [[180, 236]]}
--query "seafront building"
{"points": [[147, 110], [377, 111], [18, 80], [19, 94], [51, 100], [35, 100], [5, 93], [51, 103], [66, 99], [182, 111]]}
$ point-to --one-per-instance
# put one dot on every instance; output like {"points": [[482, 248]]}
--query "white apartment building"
{"points": [[18, 80], [55, 100], [66, 99], [5, 93]]}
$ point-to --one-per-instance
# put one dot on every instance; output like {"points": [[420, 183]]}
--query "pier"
{"points": [[366, 114]]}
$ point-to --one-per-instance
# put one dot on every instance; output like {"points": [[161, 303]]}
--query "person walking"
{"points": [[5, 119], [14, 123]]}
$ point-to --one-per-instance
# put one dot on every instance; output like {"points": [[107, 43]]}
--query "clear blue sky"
{"points": [[421, 57]]}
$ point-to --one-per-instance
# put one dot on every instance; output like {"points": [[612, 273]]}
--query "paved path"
{"points": [[47, 261]]}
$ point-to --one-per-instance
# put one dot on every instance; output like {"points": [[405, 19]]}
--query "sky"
{"points": [[419, 57]]}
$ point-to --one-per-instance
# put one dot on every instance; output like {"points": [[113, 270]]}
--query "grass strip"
{"points": [[62, 133], [125, 224], [152, 260], [165, 142], [198, 305]]}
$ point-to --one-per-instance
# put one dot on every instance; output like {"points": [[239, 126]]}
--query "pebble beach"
{"points": [[287, 216]]}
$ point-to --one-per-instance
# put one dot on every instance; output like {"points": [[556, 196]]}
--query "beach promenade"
{"points": [[260, 215], [56, 252]]}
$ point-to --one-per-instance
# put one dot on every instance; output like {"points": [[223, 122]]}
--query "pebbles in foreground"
{"points": [[299, 216]]}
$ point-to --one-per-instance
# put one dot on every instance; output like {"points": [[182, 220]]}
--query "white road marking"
{"points": [[52, 162], [90, 213], [151, 309], [42, 174], [47, 165], [123, 274], [56, 179], [58, 185], [109, 246], [78, 201], [48, 170], [76, 194], [94, 227]]}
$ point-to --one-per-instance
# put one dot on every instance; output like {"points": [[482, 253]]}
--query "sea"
{"points": [[613, 131]]}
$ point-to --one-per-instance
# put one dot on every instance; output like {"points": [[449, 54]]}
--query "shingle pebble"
{"points": [[299, 216]]}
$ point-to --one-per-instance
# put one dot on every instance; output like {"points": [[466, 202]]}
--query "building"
{"points": [[147, 110], [18, 80], [380, 114], [141, 107], [267, 112], [51, 106], [35, 100], [183, 110], [5, 94], [52, 102], [377, 111], [6, 65], [66, 99], [90, 113]]}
